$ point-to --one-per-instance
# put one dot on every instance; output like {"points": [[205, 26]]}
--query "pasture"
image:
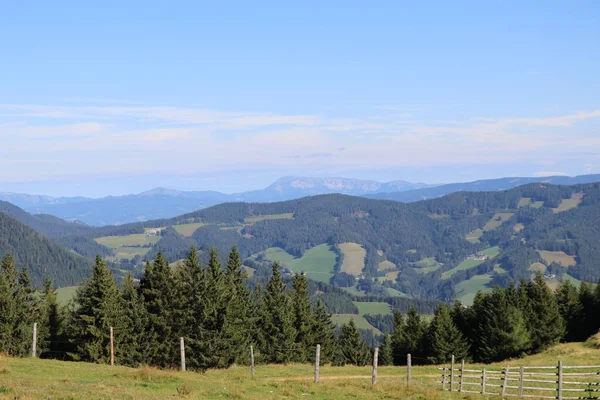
{"points": [[466, 290], [472, 262], [497, 220], [359, 320], [386, 265], [373, 308], [354, 258], [28, 379], [136, 239], [568, 204], [317, 262], [65, 294], [474, 236], [258, 218], [559, 257], [188, 229]]}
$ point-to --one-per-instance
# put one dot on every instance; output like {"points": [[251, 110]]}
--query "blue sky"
{"points": [[118, 97]]}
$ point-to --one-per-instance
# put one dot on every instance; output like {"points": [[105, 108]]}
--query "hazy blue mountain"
{"points": [[30, 201], [165, 203], [479, 186]]}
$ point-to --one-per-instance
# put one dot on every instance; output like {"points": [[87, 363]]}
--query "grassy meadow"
{"points": [[373, 308], [28, 379], [188, 229], [354, 258], [317, 262]]}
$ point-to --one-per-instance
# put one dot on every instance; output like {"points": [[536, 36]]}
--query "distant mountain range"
{"points": [[161, 203], [165, 203]]}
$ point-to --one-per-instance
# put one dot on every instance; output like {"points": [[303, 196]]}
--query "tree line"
{"points": [[502, 324], [220, 317], [210, 306]]}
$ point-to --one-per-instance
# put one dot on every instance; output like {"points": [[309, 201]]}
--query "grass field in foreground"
{"points": [[28, 379]]}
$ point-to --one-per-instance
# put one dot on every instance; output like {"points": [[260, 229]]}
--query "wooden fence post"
{"points": [[462, 373], [317, 362], [521, 378], [560, 376], [252, 361], [444, 380], [112, 347], [182, 349], [505, 380], [375, 360], [452, 374], [34, 344], [483, 377], [408, 369]]}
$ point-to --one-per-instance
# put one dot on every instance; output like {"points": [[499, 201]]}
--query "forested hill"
{"points": [[442, 248], [43, 257]]}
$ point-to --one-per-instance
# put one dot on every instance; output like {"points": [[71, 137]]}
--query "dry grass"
{"points": [[354, 258], [559, 257]]}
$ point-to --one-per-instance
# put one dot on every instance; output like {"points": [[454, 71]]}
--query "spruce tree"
{"points": [[215, 345], [27, 312], [501, 330], [546, 325], [277, 321], [303, 318], [444, 338], [97, 309], [385, 351], [49, 329], [589, 318], [7, 306], [240, 321], [569, 306], [398, 351], [414, 335], [131, 333], [323, 333], [352, 346], [156, 290]]}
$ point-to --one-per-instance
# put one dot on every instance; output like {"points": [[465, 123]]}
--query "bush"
{"points": [[593, 341]]}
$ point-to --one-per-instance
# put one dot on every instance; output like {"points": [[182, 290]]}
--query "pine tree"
{"points": [[49, 328], [500, 330], [546, 325], [445, 339], [414, 335], [588, 310], [323, 333], [353, 347], [569, 306], [189, 306], [398, 354], [277, 321], [385, 351], [97, 310], [131, 334], [240, 321], [303, 318], [27, 312], [7, 305], [156, 290], [214, 341]]}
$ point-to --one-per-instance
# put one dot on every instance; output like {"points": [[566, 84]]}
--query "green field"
{"points": [[537, 267], [470, 262], [65, 294], [258, 218], [426, 265], [386, 265], [559, 257], [188, 229], [353, 290], [34, 379], [395, 293], [537, 204], [359, 320], [466, 290], [354, 258], [137, 239], [130, 252], [373, 308], [474, 236], [524, 202], [317, 262], [497, 220], [567, 204]]}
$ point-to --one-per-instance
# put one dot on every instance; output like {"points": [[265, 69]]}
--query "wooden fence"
{"points": [[560, 381]]}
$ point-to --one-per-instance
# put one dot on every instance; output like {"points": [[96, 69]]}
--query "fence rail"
{"points": [[525, 381]]}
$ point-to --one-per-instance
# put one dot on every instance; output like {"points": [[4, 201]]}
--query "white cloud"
{"points": [[550, 173]]}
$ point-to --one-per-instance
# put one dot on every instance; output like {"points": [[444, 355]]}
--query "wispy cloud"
{"points": [[117, 139]]}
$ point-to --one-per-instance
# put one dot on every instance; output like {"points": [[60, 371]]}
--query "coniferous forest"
{"points": [[219, 317]]}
